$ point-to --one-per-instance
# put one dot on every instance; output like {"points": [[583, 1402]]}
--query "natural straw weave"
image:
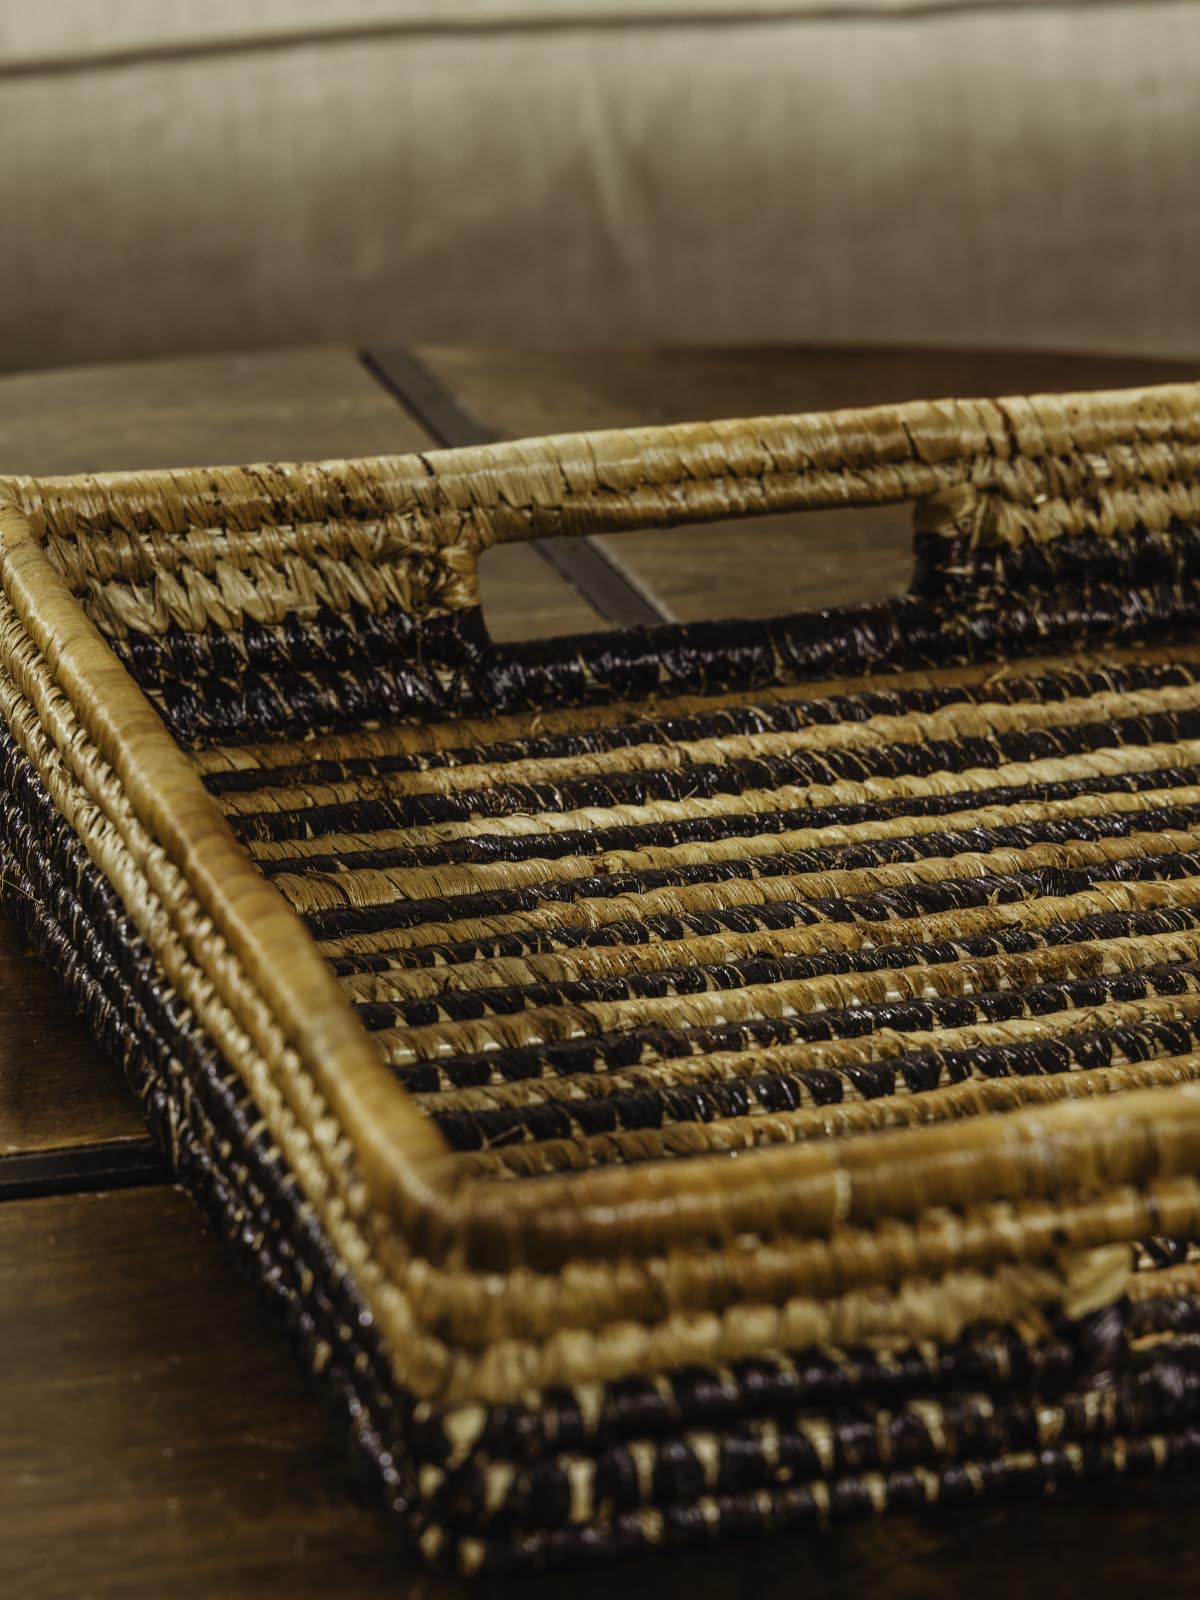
{"points": [[688, 1081]]}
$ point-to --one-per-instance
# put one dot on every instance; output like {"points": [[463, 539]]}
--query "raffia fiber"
{"points": [[456, 975]]}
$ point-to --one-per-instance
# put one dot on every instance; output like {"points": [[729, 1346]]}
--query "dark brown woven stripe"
{"points": [[1140, 561], [325, 672], [748, 1457], [856, 763], [599, 1053], [773, 716], [483, 847], [754, 1513], [361, 915], [701, 978], [771, 1093], [911, 901], [857, 1380], [1157, 1252], [216, 688]]}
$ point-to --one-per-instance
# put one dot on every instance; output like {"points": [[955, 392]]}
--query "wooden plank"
{"points": [[58, 1093], [279, 405], [777, 563], [523, 598], [158, 1440]]}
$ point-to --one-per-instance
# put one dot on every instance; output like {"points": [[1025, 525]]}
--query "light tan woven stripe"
{"points": [[942, 1246], [270, 592], [1096, 764], [1165, 1283], [811, 939], [351, 886], [308, 895]]}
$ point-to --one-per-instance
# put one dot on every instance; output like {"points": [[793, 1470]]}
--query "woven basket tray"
{"points": [[680, 1082]]}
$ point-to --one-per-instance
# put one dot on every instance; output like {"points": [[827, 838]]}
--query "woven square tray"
{"points": [[681, 1082]]}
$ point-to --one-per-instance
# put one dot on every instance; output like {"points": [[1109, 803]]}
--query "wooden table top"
{"points": [[154, 1437]]}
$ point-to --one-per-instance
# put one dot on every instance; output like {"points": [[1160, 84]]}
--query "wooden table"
{"points": [[155, 1438]]}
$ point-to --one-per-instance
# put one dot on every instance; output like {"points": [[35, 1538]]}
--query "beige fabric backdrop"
{"points": [[180, 176]]}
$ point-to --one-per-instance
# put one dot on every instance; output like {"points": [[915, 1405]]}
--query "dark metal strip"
{"points": [[591, 572], [584, 563], [424, 394], [82, 1169]]}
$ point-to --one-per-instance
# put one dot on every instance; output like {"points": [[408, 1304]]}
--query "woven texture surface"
{"points": [[692, 1082], [776, 921]]}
